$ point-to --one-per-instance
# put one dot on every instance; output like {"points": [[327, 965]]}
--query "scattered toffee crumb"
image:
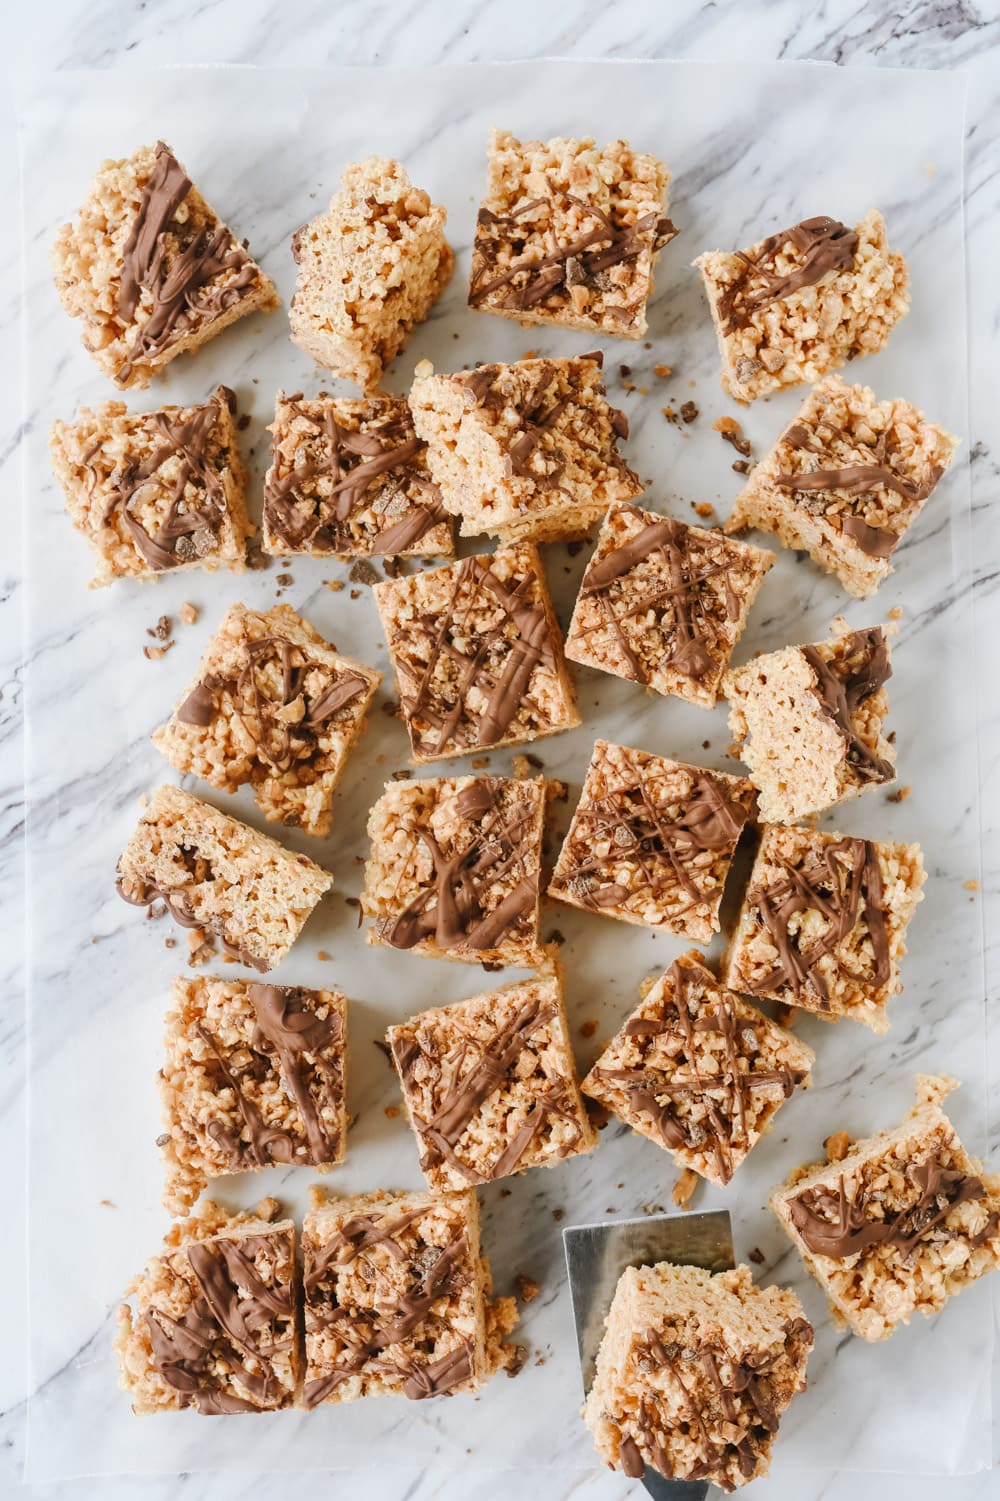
{"points": [[156, 653], [683, 1190], [519, 1359], [403, 775], [625, 371], [756, 1256], [527, 1288], [391, 1112], [530, 354], [322, 955], [742, 466], [556, 936], [285, 580], [837, 1146], [244, 422], [588, 1028], [162, 1139], [558, 1214], [161, 630], [971, 885], [900, 795], [108, 1204], [478, 762], [706, 745], [355, 593], [662, 371], [732, 433], [189, 613], [652, 1208], [335, 584], [670, 415], [689, 411], [703, 508], [170, 943], [363, 572]]}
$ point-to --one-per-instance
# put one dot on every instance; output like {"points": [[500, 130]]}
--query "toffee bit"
{"points": [[689, 411], [558, 1214], [662, 372], [756, 1256], [156, 653], [732, 432], [900, 795], [478, 763], [391, 1112], [285, 580], [363, 572], [625, 371], [189, 613], [170, 943], [161, 630], [355, 593], [652, 1208], [683, 1190], [527, 1288], [322, 955], [837, 1146], [971, 885], [741, 466], [335, 585], [703, 509], [391, 567], [519, 1359], [588, 1028]]}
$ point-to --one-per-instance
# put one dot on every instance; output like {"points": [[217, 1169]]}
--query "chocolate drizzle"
{"points": [[533, 280], [843, 685], [725, 1094], [841, 1225], [842, 883], [823, 246], [188, 278], [371, 1337], [455, 909], [378, 473], [634, 818], [680, 597], [238, 1321]]}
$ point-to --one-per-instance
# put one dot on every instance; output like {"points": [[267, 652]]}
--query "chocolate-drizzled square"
{"points": [[490, 1085], [349, 479], [477, 654], [210, 1324], [454, 869], [664, 604], [652, 841], [396, 1299], [151, 269], [568, 233], [846, 480], [155, 491], [253, 1077], [699, 1070], [823, 923], [272, 704]]}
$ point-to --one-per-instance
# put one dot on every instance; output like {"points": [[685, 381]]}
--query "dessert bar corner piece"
{"points": [[809, 722], [253, 1076], [526, 451], [699, 1070], [211, 1323], [398, 1299], [568, 234], [370, 268], [803, 302], [151, 269], [846, 480], [275, 705], [477, 654], [652, 841], [213, 872], [155, 491], [823, 923], [349, 479], [900, 1224], [455, 867], [664, 604], [695, 1372], [490, 1084]]}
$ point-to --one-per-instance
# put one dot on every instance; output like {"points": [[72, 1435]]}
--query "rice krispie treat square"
{"points": [[370, 268], [664, 604], [349, 479], [455, 868], [699, 1070], [477, 654], [212, 872], [527, 451], [803, 302], [490, 1084], [398, 1299], [694, 1373], [275, 705], [155, 491], [846, 480], [253, 1076], [568, 234], [808, 722], [902, 1223], [652, 841], [211, 1323], [823, 923], [152, 270]]}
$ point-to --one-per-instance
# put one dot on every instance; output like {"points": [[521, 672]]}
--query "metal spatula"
{"points": [[596, 1256]]}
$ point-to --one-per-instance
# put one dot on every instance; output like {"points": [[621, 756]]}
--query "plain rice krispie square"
{"points": [[823, 923], [664, 604], [212, 872], [527, 451], [370, 268], [455, 868], [275, 705], [568, 233], [253, 1076], [846, 480], [490, 1084], [155, 491], [150, 269], [349, 479], [477, 654], [211, 1323], [694, 1373], [398, 1299], [803, 302], [652, 841], [699, 1070], [899, 1225]]}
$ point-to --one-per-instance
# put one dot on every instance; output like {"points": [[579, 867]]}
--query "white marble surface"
{"points": [[85, 983]]}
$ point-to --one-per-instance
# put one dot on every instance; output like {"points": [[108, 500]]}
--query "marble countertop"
{"points": [[70, 35]]}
